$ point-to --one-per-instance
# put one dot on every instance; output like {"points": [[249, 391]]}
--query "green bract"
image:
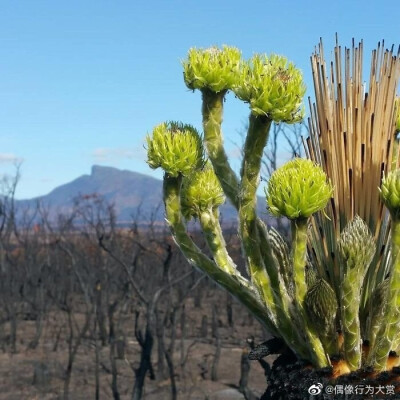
{"points": [[273, 87], [176, 148], [298, 189], [213, 68], [201, 192], [390, 192], [356, 245]]}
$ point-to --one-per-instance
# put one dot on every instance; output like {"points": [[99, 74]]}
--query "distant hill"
{"points": [[132, 193]]}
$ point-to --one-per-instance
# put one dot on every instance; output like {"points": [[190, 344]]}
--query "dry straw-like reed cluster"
{"points": [[352, 136]]}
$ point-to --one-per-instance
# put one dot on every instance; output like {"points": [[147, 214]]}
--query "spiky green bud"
{"points": [[397, 113], [280, 249], [298, 189], [321, 307], [176, 148], [281, 252], [311, 274], [213, 68], [201, 191], [390, 192], [321, 304], [356, 245], [273, 87]]}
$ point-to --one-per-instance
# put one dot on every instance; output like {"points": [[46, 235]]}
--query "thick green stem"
{"points": [[212, 110], [262, 265], [212, 119], [350, 307], [255, 142], [299, 239], [245, 294], [299, 248], [391, 322], [216, 242]]}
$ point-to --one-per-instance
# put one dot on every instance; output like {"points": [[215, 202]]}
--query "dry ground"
{"points": [[17, 370]]}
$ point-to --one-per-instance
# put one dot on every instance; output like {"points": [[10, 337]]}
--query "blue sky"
{"points": [[82, 82]]}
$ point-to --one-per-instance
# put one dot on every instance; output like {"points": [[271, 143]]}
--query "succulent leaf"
{"points": [[273, 87], [298, 189], [375, 309], [176, 148], [214, 69]]}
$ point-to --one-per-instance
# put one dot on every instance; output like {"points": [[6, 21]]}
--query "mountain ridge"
{"points": [[133, 194]]}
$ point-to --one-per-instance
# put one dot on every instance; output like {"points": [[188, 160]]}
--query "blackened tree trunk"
{"points": [[229, 309], [217, 355], [74, 342], [183, 333], [244, 376], [204, 327], [160, 328], [101, 319], [146, 342], [114, 371]]}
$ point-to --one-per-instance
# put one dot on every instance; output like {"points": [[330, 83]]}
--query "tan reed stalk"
{"points": [[352, 137]]}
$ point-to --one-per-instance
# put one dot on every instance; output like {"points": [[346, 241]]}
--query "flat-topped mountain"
{"points": [[131, 193]]}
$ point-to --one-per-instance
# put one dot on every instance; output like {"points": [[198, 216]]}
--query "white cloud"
{"points": [[102, 154], [9, 158]]}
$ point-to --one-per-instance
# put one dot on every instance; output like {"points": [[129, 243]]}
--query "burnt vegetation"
{"points": [[93, 310], [90, 308]]}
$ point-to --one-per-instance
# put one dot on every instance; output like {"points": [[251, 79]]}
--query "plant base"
{"points": [[293, 380]]}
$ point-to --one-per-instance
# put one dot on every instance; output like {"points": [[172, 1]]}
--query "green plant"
{"points": [[336, 292]]}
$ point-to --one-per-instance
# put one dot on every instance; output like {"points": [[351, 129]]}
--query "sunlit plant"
{"points": [[333, 295]]}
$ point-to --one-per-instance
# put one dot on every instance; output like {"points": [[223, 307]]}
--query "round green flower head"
{"points": [[397, 111], [176, 148], [298, 189], [213, 68], [390, 192], [273, 87], [201, 191]]}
